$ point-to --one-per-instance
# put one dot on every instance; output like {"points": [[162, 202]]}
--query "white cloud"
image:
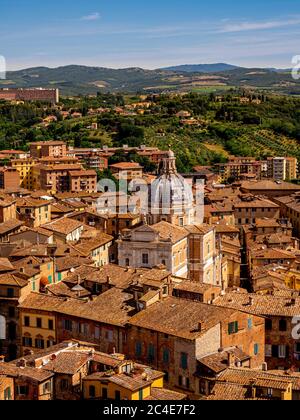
{"points": [[92, 16], [254, 26]]}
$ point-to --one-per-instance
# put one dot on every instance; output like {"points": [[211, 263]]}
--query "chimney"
{"points": [[200, 327], [21, 363], [230, 359], [251, 301], [265, 367], [293, 302], [2, 359]]}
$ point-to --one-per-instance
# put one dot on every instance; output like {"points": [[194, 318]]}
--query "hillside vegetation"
{"points": [[263, 126]]}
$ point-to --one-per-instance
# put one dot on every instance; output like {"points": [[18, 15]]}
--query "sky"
{"points": [[149, 34]]}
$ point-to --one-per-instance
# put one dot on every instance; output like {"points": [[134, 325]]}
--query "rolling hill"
{"points": [[84, 80], [202, 68]]}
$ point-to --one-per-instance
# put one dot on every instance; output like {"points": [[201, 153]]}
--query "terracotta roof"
{"points": [[180, 318], [15, 279], [195, 287], [272, 253], [167, 231], [68, 362], [126, 165], [199, 229], [113, 307], [229, 392], [68, 262], [38, 375], [86, 247], [31, 202], [268, 185], [218, 362], [9, 226], [163, 394], [64, 225], [264, 305], [83, 173]]}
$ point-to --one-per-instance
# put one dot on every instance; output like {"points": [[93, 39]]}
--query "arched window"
{"points": [[2, 328], [92, 391]]}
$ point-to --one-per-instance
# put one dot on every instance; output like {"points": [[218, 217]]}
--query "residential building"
{"points": [[171, 335], [33, 212], [9, 179], [43, 149], [128, 171], [282, 350]]}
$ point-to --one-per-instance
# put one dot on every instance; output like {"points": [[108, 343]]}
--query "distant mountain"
{"points": [[202, 68], [84, 80]]}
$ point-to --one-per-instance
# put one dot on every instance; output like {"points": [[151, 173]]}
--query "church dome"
{"points": [[171, 194]]}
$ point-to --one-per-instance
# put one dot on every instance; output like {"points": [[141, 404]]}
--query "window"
{"points": [[50, 325], [92, 391], [282, 325], [7, 394], [138, 349], [127, 262], [64, 384], [104, 393], [39, 343], [275, 351], [268, 350], [250, 324], [117, 395], [39, 322], [97, 333], [27, 341], [11, 312], [67, 325], [145, 259], [282, 352], [269, 324], [233, 328], [184, 361], [151, 353], [297, 348], [10, 293], [256, 349], [27, 321], [47, 388], [22, 390], [166, 356]]}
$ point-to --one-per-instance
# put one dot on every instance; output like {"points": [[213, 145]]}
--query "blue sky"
{"points": [[152, 34]]}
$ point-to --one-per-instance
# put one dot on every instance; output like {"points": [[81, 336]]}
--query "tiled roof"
{"points": [[167, 231], [218, 362], [86, 247], [264, 305], [64, 226], [199, 229], [38, 375], [68, 262], [68, 362], [9, 226], [126, 165], [268, 185], [114, 307], [31, 202], [163, 394], [15, 279], [195, 287], [180, 318]]}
